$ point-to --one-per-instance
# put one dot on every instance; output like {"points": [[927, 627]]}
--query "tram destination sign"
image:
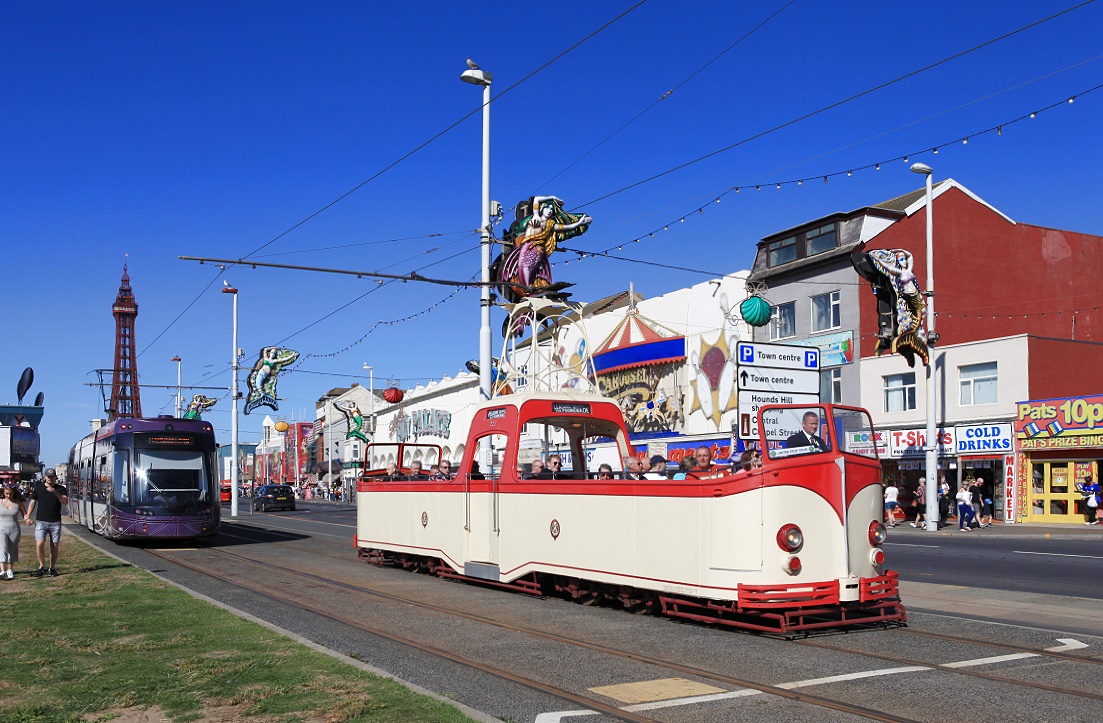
{"points": [[774, 374]]}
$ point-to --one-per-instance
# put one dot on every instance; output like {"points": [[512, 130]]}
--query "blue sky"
{"points": [[208, 129]]}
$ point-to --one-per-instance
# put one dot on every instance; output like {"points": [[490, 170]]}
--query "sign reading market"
{"points": [[1064, 423]]}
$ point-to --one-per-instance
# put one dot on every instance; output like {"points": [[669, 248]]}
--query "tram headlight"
{"points": [[790, 538], [877, 534]]}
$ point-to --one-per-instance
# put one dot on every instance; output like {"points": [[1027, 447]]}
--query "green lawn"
{"points": [[105, 640]]}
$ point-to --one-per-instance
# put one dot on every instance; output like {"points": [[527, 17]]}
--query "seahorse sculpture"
{"points": [[197, 405], [265, 374], [354, 419]]}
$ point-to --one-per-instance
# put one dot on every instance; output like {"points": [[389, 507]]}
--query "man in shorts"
{"points": [[892, 495], [47, 499]]}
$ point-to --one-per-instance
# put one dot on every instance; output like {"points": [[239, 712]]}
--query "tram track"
{"points": [[818, 701], [719, 677], [1008, 647]]}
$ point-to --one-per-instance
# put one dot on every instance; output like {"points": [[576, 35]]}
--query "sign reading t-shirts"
{"points": [[984, 439]]}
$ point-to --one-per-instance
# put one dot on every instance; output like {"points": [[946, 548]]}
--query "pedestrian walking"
{"points": [[46, 501], [964, 508], [1090, 489], [12, 510], [892, 495], [920, 503]]}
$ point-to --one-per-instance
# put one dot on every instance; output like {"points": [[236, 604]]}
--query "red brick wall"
{"points": [[1061, 368], [990, 272]]}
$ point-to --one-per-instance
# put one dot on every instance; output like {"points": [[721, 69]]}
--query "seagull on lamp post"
{"points": [[471, 64]]}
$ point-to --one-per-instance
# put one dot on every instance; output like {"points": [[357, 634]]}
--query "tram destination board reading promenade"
{"points": [[774, 374]]}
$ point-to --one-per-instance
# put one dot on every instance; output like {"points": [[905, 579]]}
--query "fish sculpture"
{"points": [[265, 374]]}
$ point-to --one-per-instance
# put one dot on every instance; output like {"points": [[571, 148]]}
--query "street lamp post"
{"points": [[371, 400], [227, 289], [932, 339], [179, 390], [477, 76]]}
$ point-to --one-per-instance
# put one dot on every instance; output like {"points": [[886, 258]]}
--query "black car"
{"points": [[274, 497]]}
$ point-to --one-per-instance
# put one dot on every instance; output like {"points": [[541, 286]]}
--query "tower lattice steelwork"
{"points": [[126, 400]]}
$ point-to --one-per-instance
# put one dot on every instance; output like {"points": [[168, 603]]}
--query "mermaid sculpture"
{"points": [[910, 337], [541, 224], [354, 419], [197, 405], [265, 374]]}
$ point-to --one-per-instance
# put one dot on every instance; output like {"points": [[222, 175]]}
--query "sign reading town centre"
{"points": [[774, 374]]}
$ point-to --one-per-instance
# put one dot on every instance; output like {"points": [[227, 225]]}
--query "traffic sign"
{"points": [[751, 402], [781, 381], [778, 356], [774, 374]]}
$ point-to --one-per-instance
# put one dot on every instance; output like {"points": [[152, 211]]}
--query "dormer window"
{"points": [[802, 245], [783, 251], [820, 240]]}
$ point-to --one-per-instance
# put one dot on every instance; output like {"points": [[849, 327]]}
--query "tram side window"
{"points": [[122, 478]]}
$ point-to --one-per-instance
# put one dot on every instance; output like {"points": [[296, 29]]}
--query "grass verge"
{"points": [[108, 641]]}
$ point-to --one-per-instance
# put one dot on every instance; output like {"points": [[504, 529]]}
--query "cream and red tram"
{"points": [[791, 546]]}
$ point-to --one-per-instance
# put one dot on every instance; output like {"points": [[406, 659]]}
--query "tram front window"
{"points": [[175, 480]]}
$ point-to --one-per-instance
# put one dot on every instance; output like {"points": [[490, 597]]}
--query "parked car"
{"points": [[270, 497]]}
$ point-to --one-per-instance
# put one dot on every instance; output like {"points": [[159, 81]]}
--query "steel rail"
{"points": [[636, 657]]}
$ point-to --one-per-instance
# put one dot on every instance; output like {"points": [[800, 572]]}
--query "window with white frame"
{"points": [[826, 312], [783, 320], [900, 392], [831, 385], [979, 384]]}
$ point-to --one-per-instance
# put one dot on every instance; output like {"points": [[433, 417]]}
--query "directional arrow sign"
{"points": [[782, 381]]}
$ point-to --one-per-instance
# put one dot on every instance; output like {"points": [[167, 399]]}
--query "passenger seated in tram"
{"points": [[555, 468], [658, 468], [634, 469], [415, 472], [750, 460], [393, 474], [604, 472], [475, 473], [443, 471]]}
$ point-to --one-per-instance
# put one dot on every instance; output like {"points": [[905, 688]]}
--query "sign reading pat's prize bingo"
{"points": [[1065, 423]]}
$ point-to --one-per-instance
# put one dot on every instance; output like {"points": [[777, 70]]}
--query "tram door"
{"points": [[483, 513]]}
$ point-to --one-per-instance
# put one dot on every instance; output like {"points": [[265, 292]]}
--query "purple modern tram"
{"points": [[146, 478]]}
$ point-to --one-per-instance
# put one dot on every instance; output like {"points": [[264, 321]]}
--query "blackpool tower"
{"points": [[126, 400]]}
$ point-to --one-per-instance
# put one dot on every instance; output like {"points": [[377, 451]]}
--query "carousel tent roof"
{"points": [[638, 342]]}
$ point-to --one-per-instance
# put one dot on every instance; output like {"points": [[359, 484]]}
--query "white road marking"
{"points": [[556, 716], [1057, 554]]}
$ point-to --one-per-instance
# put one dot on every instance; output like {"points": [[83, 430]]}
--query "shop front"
{"points": [[1060, 446], [905, 462], [985, 453]]}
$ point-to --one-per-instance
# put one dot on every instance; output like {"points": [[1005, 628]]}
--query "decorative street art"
{"points": [[265, 374], [541, 224], [713, 379], [197, 405], [353, 418], [900, 304], [630, 366]]}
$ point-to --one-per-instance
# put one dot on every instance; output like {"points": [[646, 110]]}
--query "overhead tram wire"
{"points": [[418, 148], [831, 106], [961, 140], [410, 153], [667, 94]]}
